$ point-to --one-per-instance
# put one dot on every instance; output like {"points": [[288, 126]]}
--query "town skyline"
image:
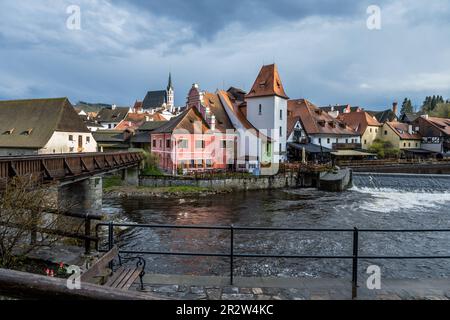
{"points": [[133, 46]]}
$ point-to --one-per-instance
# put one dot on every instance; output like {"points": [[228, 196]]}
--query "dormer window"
{"points": [[9, 132], [262, 84], [332, 124], [27, 132], [321, 123]]}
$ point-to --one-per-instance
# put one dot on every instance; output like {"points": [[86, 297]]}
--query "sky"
{"points": [[324, 50]]}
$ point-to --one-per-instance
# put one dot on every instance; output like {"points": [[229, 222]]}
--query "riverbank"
{"points": [[173, 192]]}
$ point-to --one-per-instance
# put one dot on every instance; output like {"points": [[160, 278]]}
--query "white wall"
{"points": [[60, 143], [332, 139], [269, 122]]}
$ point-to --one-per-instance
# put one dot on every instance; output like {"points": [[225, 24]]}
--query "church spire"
{"points": [[169, 85]]}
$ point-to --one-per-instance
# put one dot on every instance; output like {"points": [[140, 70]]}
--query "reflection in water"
{"points": [[396, 204]]}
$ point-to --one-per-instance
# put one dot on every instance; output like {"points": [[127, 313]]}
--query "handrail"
{"points": [[355, 257]]}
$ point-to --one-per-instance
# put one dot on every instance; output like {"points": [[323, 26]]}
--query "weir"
{"points": [[402, 181]]}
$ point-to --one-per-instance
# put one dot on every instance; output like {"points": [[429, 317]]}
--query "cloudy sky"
{"points": [[323, 49]]}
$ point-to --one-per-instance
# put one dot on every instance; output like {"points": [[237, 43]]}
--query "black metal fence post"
{"points": [[110, 240], [87, 233], [231, 253], [355, 264]]}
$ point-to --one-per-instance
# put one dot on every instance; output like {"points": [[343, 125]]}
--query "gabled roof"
{"points": [[384, 116], [112, 115], [401, 129], [31, 123], [359, 121], [154, 99], [314, 120], [443, 124], [212, 101], [268, 83], [233, 106], [151, 125], [410, 117], [188, 121]]}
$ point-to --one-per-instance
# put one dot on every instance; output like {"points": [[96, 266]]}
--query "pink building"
{"points": [[197, 139]]}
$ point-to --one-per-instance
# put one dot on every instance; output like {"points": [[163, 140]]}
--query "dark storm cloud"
{"points": [[208, 17]]}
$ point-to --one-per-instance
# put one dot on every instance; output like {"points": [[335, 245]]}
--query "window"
{"points": [[160, 143], [404, 144], [365, 141], [70, 137], [409, 144], [328, 140], [154, 143], [281, 114], [260, 109], [376, 130], [385, 132], [281, 131], [268, 148], [280, 147], [199, 144], [346, 140], [182, 144], [370, 130], [208, 163], [227, 144], [88, 139], [320, 140], [168, 144], [417, 144]]}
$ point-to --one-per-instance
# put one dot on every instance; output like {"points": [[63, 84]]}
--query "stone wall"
{"points": [[286, 180]]}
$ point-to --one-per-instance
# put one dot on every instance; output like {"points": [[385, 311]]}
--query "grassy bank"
{"points": [[161, 192]]}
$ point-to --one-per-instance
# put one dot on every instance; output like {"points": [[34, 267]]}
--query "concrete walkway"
{"points": [[218, 288]]}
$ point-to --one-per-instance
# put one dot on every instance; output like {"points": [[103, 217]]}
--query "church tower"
{"points": [[267, 109], [170, 95]]}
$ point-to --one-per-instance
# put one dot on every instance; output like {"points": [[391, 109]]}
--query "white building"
{"points": [[42, 126]]}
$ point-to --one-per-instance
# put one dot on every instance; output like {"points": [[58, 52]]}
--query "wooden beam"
{"points": [[84, 166], [66, 166], [12, 172], [97, 164], [25, 285], [47, 174]]}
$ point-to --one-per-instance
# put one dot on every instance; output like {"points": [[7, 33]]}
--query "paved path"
{"points": [[218, 288]]}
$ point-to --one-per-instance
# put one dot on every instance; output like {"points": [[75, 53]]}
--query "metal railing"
{"points": [[355, 257]]}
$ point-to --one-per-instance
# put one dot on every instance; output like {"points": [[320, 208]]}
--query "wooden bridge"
{"points": [[65, 167]]}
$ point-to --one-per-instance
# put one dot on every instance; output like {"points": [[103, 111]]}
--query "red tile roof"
{"points": [[401, 129], [268, 83], [359, 120], [314, 120], [442, 124]]}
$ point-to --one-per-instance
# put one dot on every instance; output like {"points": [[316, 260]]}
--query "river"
{"points": [[375, 201]]}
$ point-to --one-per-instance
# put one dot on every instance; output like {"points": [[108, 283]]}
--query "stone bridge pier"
{"points": [[80, 196]]}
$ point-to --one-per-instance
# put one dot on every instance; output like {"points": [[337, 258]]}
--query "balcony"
{"points": [[346, 146]]}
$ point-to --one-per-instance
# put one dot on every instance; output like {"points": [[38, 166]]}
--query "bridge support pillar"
{"points": [[85, 195], [131, 176]]}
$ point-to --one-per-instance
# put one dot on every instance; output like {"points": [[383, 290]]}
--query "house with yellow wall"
{"points": [[364, 124], [401, 135]]}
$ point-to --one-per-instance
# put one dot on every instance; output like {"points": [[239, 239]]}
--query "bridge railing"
{"points": [[355, 257], [50, 167]]}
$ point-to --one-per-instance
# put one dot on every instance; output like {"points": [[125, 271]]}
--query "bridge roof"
{"points": [[31, 123]]}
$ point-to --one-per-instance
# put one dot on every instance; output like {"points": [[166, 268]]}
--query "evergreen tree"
{"points": [[406, 106]]}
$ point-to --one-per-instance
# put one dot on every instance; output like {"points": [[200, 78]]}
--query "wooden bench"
{"points": [[103, 271]]}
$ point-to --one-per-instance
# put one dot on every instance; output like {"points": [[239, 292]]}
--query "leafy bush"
{"points": [[384, 149]]}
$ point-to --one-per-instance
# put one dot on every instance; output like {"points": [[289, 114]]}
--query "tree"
{"points": [[384, 149], [407, 106], [23, 214], [442, 110]]}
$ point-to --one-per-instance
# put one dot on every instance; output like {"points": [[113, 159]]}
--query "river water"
{"points": [[375, 201]]}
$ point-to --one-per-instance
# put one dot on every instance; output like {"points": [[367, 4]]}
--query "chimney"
{"points": [[425, 116], [395, 107], [147, 118], [410, 129], [113, 107], [213, 122]]}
